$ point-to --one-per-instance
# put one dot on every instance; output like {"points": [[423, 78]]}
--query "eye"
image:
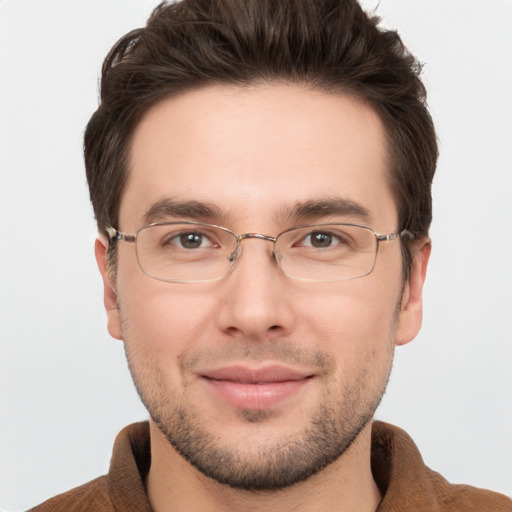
{"points": [[191, 240], [321, 240]]}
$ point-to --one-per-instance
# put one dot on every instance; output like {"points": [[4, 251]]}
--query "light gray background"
{"points": [[65, 389]]}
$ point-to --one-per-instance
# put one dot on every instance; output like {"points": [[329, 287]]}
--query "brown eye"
{"points": [[190, 240], [320, 240]]}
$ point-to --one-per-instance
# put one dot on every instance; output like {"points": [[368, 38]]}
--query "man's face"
{"points": [[260, 380]]}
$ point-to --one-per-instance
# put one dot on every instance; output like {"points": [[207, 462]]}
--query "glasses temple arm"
{"points": [[114, 234], [393, 236]]}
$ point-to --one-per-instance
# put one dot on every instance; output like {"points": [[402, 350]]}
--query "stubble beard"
{"points": [[332, 429], [270, 468]]}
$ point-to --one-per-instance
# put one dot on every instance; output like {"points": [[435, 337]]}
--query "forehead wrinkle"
{"points": [[318, 209], [169, 208]]}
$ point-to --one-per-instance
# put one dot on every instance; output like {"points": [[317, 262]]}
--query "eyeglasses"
{"points": [[193, 252]]}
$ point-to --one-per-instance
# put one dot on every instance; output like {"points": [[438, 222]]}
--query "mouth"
{"points": [[256, 388]]}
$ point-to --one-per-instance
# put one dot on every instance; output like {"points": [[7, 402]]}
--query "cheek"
{"points": [[163, 320], [351, 310], [355, 323]]}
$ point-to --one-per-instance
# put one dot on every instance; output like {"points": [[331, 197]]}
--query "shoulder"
{"points": [[92, 496], [465, 497], [122, 488], [408, 484], [455, 497]]}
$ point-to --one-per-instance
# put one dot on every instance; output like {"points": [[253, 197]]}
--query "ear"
{"points": [[411, 308], [109, 291]]}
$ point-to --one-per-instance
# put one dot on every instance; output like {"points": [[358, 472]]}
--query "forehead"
{"points": [[256, 151]]}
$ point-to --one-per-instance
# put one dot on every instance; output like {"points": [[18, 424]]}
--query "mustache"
{"points": [[278, 351]]}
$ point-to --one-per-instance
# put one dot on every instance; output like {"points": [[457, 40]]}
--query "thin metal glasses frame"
{"points": [[116, 235]]}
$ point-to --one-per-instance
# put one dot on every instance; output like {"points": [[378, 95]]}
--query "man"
{"points": [[261, 177]]}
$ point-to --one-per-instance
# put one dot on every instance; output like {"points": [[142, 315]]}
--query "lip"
{"points": [[255, 388]]}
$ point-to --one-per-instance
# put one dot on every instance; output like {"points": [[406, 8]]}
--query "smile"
{"points": [[255, 389]]}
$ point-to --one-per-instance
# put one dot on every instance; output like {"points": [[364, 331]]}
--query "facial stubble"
{"points": [[333, 426]]}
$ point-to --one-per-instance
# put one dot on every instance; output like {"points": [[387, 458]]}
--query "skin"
{"points": [[253, 153]]}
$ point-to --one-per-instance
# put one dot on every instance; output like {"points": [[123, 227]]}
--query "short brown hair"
{"points": [[330, 45]]}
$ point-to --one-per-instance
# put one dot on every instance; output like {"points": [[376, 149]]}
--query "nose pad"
{"points": [[235, 254]]}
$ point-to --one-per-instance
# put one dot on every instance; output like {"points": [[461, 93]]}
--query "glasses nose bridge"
{"points": [[238, 250], [259, 236]]}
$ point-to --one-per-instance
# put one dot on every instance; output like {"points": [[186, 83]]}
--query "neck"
{"points": [[346, 485]]}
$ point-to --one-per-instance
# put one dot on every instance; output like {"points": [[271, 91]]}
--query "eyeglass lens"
{"points": [[192, 252]]}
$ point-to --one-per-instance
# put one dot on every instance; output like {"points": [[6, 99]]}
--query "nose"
{"points": [[255, 302]]}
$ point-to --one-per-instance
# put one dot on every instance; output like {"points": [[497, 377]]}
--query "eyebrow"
{"points": [[168, 207], [314, 210], [300, 212]]}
